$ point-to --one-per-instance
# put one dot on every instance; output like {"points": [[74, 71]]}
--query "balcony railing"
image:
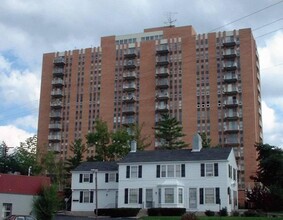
{"points": [[231, 103], [230, 77], [55, 126], [129, 87], [231, 115], [58, 71], [230, 53], [162, 83], [57, 92], [130, 53], [162, 49], [162, 108], [129, 75], [54, 137], [55, 114], [58, 82], [232, 142], [56, 147], [162, 95], [232, 128], [229, 41], [162, 72], [57, 104], [231, 90], [129, 98], [129, 64], [128, 109], [128, 121], [59, 60], [230, 66], [162, 61]]}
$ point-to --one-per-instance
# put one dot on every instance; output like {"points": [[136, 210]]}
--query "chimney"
{"points": [[197, 143], [133, 146]]}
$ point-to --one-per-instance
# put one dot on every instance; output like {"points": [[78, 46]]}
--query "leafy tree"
{"points": [[169, 132], [206, 141], [269, 195], [100, 140], [46, 204], [119, 146], [142, 141], [78, 149]]}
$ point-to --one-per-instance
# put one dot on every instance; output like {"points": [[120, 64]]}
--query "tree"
{"points": [[120, 144], [100, 140], [142, 141], [46, 204], [269, 195], [78, 149], [206, 141], [169, 132]]}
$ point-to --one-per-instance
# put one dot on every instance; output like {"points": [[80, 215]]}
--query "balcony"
{"points": [[229, 41], [128, 110], [56, 147], [54, 137], [162, 84], [129, 98], [59, 61], [57, 93], [231, 116], [162, 49], [129, 76], [58, 82], [59, 72], [162, 95], [130, 53], [162, 61], [231, 103], [230, 53], [55, 126], [162, 72], [162, 108], [230, 77], [228, 66], [232, 142], [231, 90], [56, 104], [128, 121], [55, 114], [129, 87], [129, 64], [232, 128]]}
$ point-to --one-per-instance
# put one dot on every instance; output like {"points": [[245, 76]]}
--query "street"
{"points": [[65, 217]]}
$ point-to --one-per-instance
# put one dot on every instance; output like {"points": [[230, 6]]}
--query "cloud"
{"points": [[28, 122], [12, 135]]}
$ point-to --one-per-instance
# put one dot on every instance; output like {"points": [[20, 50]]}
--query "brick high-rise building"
{"points": [[210, 82]]}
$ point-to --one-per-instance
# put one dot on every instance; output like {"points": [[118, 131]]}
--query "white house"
{"points": [[198, 180], [17, 193], [84, 186]]}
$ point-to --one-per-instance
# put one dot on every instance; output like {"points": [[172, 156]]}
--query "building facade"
{"points": [[195, 180], [210, 82]]}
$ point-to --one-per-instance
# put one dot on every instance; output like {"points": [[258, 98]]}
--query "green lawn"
{"points": [[208, 218]]}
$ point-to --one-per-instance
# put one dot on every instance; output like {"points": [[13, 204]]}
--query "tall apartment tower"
{"points": [[210, 82]]}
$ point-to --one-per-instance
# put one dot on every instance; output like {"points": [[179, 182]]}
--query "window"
{"points": [[169, 195], [133, 196], [112, 177], [209, 196], [170, 171], [7, 209], [134, 171], [180, 195], [163, 171], [86, 178], [209, 169], [177, 170], [86, 196]]}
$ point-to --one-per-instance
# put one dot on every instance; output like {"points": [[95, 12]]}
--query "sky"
{"points": [[30, 28]]}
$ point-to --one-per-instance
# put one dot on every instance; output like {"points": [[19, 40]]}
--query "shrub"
{"points": [[118, 212], [189, 216], [209, 213], [223, 212], [251, 213], [235, 213], [166, 211]]}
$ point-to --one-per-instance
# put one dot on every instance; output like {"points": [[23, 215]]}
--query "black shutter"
{"points": [[126, 196], [140, 195], [140, 171], [201, 196], [81, 196], [128, 172], [81, 178], [91, 178], [158, 171], [216, 169], [183, 170], [91, 196], [202, 169], [117, 177], [217, 192], [106, 177]]}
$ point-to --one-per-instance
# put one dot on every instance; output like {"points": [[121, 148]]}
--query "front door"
{"points": [[193, 198], [149, 198]]}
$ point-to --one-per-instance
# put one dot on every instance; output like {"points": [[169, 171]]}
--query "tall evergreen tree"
{"points": [[169, 132], [78, 149], [205, 140]]}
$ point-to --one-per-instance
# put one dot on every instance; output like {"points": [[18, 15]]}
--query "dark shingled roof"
{"points": [[100, 165], [177, 155]]}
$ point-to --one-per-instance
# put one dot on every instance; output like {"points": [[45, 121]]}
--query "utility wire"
{"points": [[269, 33], [241, 18], [255, 29]]}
